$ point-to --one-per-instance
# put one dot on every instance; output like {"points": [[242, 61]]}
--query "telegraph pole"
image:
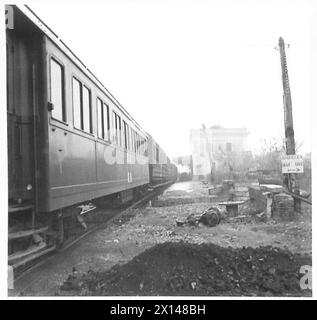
{"points": [[291, 178]]}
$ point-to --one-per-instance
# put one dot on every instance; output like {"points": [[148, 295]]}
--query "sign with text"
{"points": [[292, 164]]}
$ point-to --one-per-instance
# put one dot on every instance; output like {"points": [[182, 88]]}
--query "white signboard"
{"points": [[292, 164]]}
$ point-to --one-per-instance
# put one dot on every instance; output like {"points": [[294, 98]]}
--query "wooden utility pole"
{"points": [[291, 178]]}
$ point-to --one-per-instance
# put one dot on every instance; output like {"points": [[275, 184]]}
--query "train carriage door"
{"points": [[21, 94]]}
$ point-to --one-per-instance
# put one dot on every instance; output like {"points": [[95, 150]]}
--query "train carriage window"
{"points": [[87, 110], [135, 142], [126, 135], [100, 118], [131, 140], [77, 96], [119, 131], [140, 144], [103, 120], [145, 147], [114, 136], [125, 142], [106, 124], [157, 154], [116, 120], [57, 90]]}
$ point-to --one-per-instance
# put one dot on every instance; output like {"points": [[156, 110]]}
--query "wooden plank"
{"points": [[25, 233], [294, 195]]}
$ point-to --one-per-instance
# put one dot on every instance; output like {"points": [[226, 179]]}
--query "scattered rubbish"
{"points": [[210, 217]]}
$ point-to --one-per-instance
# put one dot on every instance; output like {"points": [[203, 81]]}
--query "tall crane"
{"points": [[291, 178]]}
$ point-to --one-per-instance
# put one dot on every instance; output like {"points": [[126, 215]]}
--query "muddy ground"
{"points": [[88, 269]]}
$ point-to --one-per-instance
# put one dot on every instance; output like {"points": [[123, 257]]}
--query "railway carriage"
{"points": [[69, 140], [160, 166]]}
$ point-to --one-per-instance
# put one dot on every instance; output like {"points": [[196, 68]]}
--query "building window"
{"points": [[57, 90]]}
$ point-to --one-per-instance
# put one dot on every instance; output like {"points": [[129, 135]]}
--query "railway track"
{"points": [[31, 267]]}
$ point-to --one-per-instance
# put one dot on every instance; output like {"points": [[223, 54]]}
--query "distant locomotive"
{"points": [[69, 140]]}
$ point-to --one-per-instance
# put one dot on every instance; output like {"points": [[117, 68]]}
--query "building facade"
{"points": [[184, 164], [217, 149]]}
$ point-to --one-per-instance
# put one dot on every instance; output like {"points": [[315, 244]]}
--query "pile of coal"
{"points": [[203, 270]]}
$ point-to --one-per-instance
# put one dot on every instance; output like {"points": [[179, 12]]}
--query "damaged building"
{"points": [[218, 149]]}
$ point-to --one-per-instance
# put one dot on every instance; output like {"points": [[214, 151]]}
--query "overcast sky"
{"points": [[177, 64]]}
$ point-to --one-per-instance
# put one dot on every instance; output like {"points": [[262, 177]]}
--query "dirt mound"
{"points": [[206, 269]]}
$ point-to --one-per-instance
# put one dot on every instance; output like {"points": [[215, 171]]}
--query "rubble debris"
{"points": [[283, 206], [205, 270], [270, 180], [231, 207], [215, 190], [210, 217], [304, 194], [180, 222], [193, 219]]}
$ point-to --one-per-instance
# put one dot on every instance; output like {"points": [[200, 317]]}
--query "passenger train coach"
{"points": [[69, 140]]}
